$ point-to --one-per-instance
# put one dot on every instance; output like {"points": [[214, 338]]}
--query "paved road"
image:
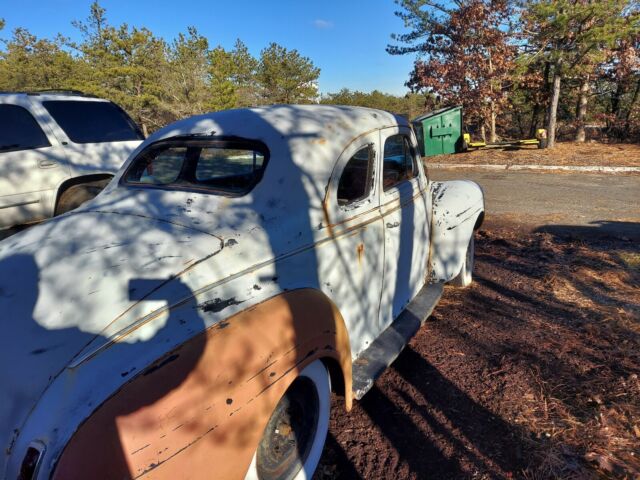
{"points": [[610, 203]]}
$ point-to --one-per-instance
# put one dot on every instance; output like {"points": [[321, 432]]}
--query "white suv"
{"points": [[58, 150]]}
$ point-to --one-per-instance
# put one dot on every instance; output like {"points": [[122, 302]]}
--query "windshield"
{"points": [[92, 122], [229, 167]]}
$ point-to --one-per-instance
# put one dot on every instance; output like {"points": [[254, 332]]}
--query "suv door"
{"points": [[98, 135], [351, 262], [404, 208], [32, 164]]}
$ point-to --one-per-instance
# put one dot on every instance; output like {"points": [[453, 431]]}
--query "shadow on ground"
{"points": [[533, 372]]}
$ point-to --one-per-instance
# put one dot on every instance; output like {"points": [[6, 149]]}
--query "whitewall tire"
{"points": [[294, 437]]}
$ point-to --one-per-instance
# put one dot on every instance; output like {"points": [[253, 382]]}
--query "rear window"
{"points": [[92, 122], [228, 167], [19, 130]]}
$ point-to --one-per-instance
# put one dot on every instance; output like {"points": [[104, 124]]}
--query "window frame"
{"points": [[371, 168], [195, 141], [412, 155], [36, 123]]}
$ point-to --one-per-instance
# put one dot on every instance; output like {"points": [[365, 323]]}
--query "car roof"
{"points": [[309, 136], [48, 95]]}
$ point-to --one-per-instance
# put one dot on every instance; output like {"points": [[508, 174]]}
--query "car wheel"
{"points": [[294, 437], [465, 277], [76, 195]]}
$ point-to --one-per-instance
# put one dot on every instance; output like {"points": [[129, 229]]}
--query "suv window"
{"points": [[398, 164], [228, 167], [92, 122], [19, 130], [357, 177]]}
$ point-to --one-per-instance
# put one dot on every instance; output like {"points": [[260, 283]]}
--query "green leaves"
{"points": [[284, 76], [155, 81]]}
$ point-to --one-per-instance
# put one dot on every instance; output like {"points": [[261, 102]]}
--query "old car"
{"points": [[58, 149], [192, 320]]}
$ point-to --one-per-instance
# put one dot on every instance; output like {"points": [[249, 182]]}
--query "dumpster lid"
{"points": [[424, 116]]}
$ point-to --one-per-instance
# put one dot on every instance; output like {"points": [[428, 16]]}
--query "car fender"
{"points": [[457, 210], [231, 377]]}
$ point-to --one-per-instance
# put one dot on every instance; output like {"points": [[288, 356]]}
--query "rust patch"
{"points": [[360, 250]]}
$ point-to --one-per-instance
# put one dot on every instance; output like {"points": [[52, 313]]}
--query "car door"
{"points": [[351, 262], [32, 164], [404, 208], [98, 135]]}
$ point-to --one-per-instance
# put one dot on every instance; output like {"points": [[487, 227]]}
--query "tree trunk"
{"points": [[538, 106], [553, 108], [145, 132], [534, 120], [581, 110], [627, 121], [483, 133], [493, 138]]}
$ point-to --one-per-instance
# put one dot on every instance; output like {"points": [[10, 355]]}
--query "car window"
{"points": [[163, 168], [92, 122], [357, 177], [220, 166], [19, 130], [399, 162]]}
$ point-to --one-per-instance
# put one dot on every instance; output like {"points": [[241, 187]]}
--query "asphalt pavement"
{"points": [[606, 203]]}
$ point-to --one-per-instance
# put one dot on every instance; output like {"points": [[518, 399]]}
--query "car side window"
{"points": [[356, 180], [92, 122], [220, 166], [161, 168], [399, 161], [19, 130]]}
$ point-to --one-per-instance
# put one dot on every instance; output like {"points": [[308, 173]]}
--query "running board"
{"points": [[385, 349]]}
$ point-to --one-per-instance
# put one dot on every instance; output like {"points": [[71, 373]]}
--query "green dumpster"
{"points": [[440, 131]]}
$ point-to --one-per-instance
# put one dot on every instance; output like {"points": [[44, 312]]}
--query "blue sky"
{"points": [[346, 39]]}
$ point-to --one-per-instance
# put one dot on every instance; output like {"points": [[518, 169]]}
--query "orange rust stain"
{"points": [[327, 220], [360, 250], [202, 408]]}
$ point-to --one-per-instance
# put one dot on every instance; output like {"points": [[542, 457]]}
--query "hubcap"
{"points": [[289, 435]]}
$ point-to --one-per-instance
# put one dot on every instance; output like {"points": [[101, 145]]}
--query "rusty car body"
{"points": [[236, 260]]}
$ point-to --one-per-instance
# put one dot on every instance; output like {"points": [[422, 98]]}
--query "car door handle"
{"points": [[47, 163]]}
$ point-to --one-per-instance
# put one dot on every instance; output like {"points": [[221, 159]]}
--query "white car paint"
{"points": [[31, 179], [92, 297]]}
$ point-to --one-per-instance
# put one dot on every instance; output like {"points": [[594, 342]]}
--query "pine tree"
{"points": [[571, 36], [285, 76]]}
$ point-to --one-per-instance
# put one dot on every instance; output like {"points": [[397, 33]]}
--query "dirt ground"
{"points": [[531, 373], [565, 153]]}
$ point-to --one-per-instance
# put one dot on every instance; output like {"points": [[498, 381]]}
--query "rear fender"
{"points": [[211, 423], [457, 210]]}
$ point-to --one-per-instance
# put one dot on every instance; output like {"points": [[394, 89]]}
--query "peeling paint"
{"points": [[218, 304]]}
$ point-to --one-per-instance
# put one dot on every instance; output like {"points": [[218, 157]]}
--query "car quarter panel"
{"points": [[225, 384], [457, 205]]}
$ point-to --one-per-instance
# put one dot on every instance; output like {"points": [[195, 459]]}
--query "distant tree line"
{"points": [[410, 105], [154, 80], [158, 81], [516, 65]]}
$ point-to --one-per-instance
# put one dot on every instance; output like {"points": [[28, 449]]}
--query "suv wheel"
{"points": [[76, 195]]}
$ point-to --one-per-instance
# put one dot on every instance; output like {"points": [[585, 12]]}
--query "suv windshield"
{"points": [[92, 122], [228, 167]]}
